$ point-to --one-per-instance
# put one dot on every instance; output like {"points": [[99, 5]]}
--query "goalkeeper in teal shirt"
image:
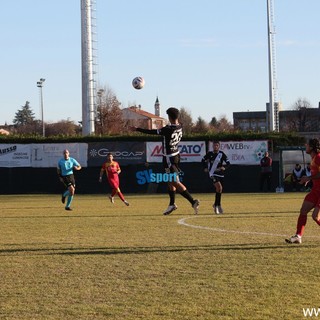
{"points": [[65, 168]]}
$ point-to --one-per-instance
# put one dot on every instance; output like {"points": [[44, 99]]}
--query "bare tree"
{"points": [[224, 124], [109, 115], [301, 104], [221, 124], [302, 122], [63, 127], [201, 126], [186, 120]]}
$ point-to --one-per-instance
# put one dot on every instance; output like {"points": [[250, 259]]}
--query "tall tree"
{"points": [[62, 127], [24, 116], [301, 105], [200, 126], [186, 120], [109, 115], [213, 123], [224, 124]]}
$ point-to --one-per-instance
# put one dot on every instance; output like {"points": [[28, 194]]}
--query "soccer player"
{"points": [[172, 134], [312, 199], [215, 163], [112, 170], [266, 171], [65, 168]]}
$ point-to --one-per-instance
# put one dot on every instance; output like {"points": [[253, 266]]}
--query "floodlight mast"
{"points": [[40, 85], [88, 81], [273, 105]]}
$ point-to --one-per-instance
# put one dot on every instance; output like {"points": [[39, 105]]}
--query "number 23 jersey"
{"points": [[172, 135]]}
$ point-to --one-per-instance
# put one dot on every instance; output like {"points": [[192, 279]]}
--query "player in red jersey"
{"points": [[312, 199], [112, 170]]}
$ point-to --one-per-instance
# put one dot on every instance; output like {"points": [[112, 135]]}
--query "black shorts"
{"points": [[69, 180], [171, 164], [216, 179]]}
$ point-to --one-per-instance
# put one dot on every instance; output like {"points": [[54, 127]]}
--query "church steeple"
{"points": [[157, 107]]}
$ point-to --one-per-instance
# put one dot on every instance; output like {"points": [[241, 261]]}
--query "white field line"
{"points": [[186, 224]]}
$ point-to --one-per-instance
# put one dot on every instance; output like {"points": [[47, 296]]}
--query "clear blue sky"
{"points": [[208, 56]]}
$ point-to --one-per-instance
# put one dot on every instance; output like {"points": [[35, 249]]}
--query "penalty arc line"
{"points": [[186, 224]]}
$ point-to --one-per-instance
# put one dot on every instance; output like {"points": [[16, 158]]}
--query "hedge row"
{"points": [[275, 138]]}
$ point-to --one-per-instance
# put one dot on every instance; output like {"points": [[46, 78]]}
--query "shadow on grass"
{"points": [[145, 250], [228, 215]]}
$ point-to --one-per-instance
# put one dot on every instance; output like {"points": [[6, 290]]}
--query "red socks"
{"points": [[302, 221]]}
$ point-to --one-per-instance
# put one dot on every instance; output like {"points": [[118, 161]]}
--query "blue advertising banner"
{"points": [[123, 152]]}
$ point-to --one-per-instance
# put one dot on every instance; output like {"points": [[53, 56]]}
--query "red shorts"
{"points": [[314, 197], [114, 182]]}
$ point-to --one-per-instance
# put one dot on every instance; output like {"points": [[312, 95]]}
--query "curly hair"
{"points": [[314, 144]]}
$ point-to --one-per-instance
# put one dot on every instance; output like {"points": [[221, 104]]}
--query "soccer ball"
{"points": [[138, 83]]}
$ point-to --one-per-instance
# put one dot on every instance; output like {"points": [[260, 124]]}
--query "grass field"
{"points": [[104, 261]]}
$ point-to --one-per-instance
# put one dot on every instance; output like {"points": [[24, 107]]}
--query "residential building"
{"points": [[135, 116]]}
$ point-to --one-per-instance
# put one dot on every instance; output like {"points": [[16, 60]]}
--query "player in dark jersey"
{"points": [[215, 163], [172, 134]]}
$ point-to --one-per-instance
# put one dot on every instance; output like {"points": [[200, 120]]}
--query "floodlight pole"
{"points": [[40, 85]]}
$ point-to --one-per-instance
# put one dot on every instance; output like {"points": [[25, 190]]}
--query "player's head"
{"points": [[173, 113], [216, 145], [313, 145], [109, 156], [66, 153]]}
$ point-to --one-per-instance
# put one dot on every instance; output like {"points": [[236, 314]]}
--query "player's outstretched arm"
{"points": [[146, 131]]}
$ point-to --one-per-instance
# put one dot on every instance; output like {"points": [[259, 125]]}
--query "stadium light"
{"points": [[40, 85]]}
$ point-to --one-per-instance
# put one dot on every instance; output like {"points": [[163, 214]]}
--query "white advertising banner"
{"points": [[243, 152], [47, 155], [190, 151], [15, 155]]}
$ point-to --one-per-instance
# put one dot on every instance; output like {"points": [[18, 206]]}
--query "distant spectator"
{"points": [[266, 171], [296, 175], [307, 172]]}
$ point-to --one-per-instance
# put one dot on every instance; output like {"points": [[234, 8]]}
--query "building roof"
{"points": [[249, 114], [143, 113]]}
